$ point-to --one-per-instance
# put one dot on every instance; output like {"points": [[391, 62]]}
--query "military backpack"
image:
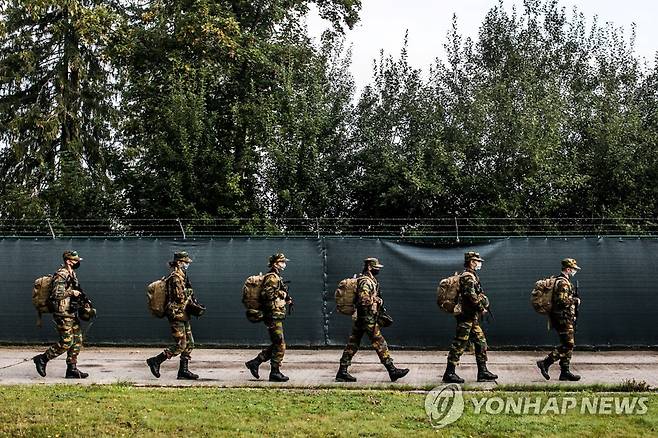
{"points": [[346, 296], [541, 296], [251, 291], [156, 297], [41, 295], [447, 294]]}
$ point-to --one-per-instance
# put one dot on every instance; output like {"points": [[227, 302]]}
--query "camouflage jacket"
{"points": [[179, 292], [65, 282], [564, 303], [471, 296], [273, 295], [368, 297]]}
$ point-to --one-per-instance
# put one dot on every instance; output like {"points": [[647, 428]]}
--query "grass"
{"points": [[125, 410]]}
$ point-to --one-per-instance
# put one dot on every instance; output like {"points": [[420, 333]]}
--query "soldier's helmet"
{"points": [[570, 263], [372, 262], [276, 258], [472, 255], [182, 256], [71, 255]]}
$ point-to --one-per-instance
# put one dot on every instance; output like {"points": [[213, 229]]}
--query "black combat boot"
{"points": [[155, 362], [450, 376], [72, 372], [543, 366], [343, 376], [276, 375], [253, 366], [484, 375], [40, 360], [183, 372], [395, 373], [565, 374]]}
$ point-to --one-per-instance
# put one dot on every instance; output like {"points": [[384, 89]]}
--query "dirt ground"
{"points": [[313, 368]]}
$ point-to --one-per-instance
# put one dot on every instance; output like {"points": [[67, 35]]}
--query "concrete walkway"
{"points": [[317, 368]]}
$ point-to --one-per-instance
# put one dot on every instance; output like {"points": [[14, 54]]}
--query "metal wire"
{"points": [[447, 228]]}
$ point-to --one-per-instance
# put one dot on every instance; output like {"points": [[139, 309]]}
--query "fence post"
{"points": [[181, 228], [457, 229], [52, 232]]}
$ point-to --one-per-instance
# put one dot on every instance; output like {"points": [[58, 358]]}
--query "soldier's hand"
{"points": [[577, 301], [75, 293]]}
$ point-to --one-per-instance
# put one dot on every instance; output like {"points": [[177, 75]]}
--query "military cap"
{"points": [[71, 255], [570, 263], [472, 255], [373, 262], [182, 256], [276, 258]]}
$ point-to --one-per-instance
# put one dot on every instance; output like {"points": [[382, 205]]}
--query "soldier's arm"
{"points": [[469, 292], [365, 291], [564, 294], [270, 290], [60, 291], [177, 286]]}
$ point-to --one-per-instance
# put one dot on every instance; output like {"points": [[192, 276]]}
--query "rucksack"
{"points": [[346, 296], [447, 294], [541, 296], [156, 297], [251, 297], [41, 295]]}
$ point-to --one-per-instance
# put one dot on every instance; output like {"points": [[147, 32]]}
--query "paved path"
{"points": [[312, 368]]}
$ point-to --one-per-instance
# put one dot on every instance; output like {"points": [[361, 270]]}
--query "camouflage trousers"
{"points": [[277, 349], [359, 328], [70, 339], [181, 331], [565, 331], [468, 330]]}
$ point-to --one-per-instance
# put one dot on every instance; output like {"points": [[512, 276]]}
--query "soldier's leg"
{"points": [[278, 342], [353, 344], [76, 344], [479, 341], [65, 330], [189, 341], [183, 370], [378, 343], [178, 332], [460, 342]]}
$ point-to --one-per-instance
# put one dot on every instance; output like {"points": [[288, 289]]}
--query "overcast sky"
{"points": [[383, 24]]}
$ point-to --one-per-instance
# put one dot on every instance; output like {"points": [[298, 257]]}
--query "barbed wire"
{"points": [[449, 228]]}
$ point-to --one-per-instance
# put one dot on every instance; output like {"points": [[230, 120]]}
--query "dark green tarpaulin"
{"points": [[617, 285]]}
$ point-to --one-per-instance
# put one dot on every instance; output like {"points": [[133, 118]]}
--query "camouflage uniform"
{"points": [[368, 303], [64, 286], [273, 297], [369, 310], [473, 303], [179, 292], [65, 282], [562, 318]]}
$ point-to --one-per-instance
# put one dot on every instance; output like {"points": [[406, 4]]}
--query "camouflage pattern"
{"points": [[64, 284], [570, 263], [277, 349], [273, 296], [181, 331], [473, 302], [71, 255], [276, 258], [70, 339], [472, 255], [562, 318], [368, 304], [373, 263], [468, 331], [179, 292], [182, 256]]}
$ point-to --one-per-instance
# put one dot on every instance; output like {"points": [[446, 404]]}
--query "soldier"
{"points": [[369, 304], [562, 318], [65, 290], [179, 295], [274, 297], [474, 303]]}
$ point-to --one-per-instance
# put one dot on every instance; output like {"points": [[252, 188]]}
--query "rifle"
{"points": [[289, 300], [576, 294]]}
